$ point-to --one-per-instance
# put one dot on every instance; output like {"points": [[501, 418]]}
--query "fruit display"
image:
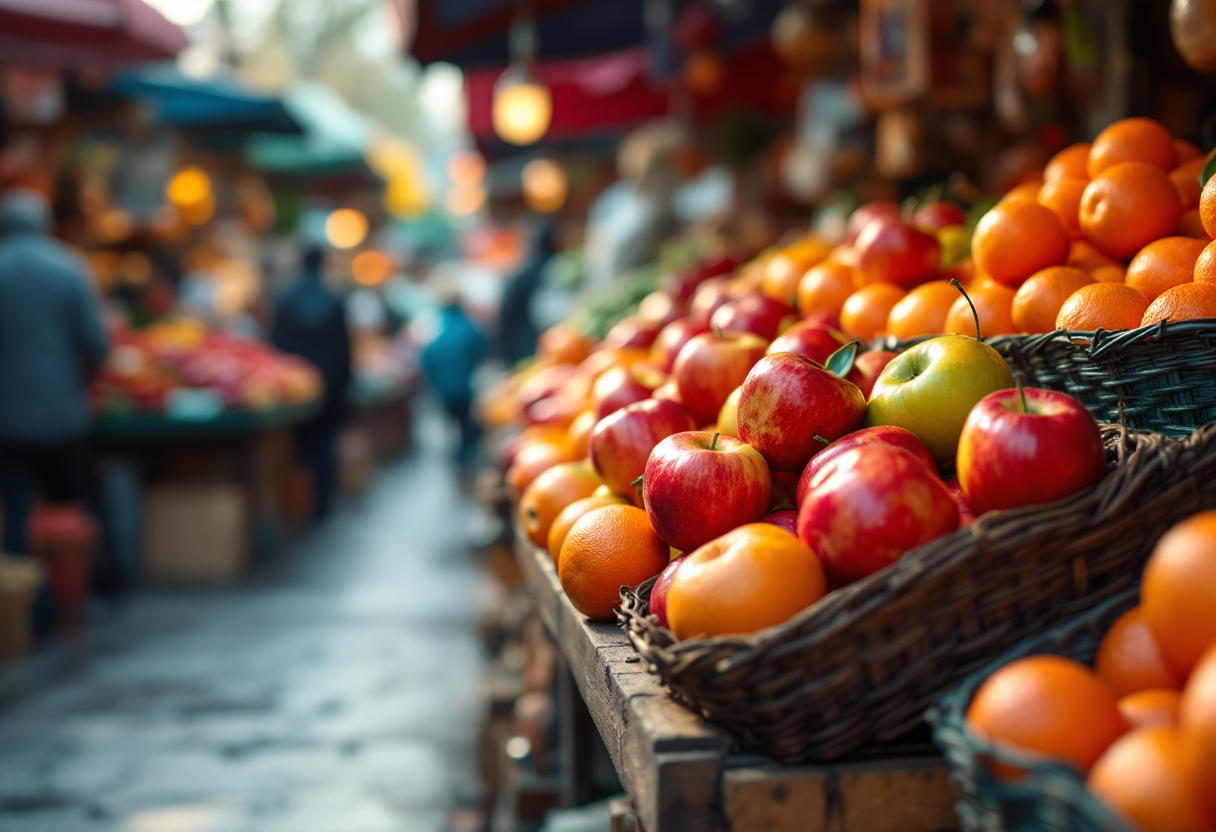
{"points": [[1140, 725], [146, 366]]}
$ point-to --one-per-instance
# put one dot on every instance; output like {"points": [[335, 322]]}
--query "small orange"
{"points": [[1207, 207], [1024, 192], [1147, 708], [1064, 197], [579, 433], [1141, 779], [993, 303], [1050, 706], [1163, 264], [563, 344], [605, 549], [1205, 264], [1109, 274], [1197, 724], [1182, 303], [1038, 301], [1082, 255], [1111, 306], [1179, 588], [568, 516], [864, 315], [1185, 151], [785, 269], [1191, 225], [1132, 140], [551, 492], [532, 460], [923, 310], [1127, 206], [1186, 181], [825, 288], [1129, 659], [1070, 163], [753, 577], [1016, 239]]}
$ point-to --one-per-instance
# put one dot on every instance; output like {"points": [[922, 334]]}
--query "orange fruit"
{"points": [[1182, 303], [533, 459], [1038, 301], [825, 288], [1025, 192], [568, 516], [579, 433], [1127, 206], [1163, 264], [563, 344], [552, 491], [1070, 163], [1197, 725], [1191, 225], [1108, 274], [1178, 595], [865, 312], [994, 304], [1147, 708], [1016, 239], [1186, 181], [1132, 140], [753, 577], [1205, 265], [923, 310], [785, 269], [1102, 306], [1050, 706], [1207, 207], [1129, 659], [605, 549], [1185, 151], [1141, 779], [1082, 255], [1064, 197]]}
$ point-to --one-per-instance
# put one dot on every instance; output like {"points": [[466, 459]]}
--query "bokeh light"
{"points": [[467, 167], [466, 200], [545, 185], [371, 267], [345, 228], [189, 186], [522, 108]]}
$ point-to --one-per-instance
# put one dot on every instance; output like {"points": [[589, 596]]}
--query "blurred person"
{"points": [[449, 361], [310, 321], [52, 343], [517, 331]]}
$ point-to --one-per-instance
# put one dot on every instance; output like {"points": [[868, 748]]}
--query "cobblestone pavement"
{"points": [[335, 692]]}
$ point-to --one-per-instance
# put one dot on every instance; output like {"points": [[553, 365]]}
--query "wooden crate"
{"points": [[196, 532]]}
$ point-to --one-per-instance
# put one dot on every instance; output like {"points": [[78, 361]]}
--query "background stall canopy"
{"points": [[85, 34]]}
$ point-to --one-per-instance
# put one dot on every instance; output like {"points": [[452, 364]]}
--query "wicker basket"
{"points": [[1051, 797], [1163, 376], [865, 663]]}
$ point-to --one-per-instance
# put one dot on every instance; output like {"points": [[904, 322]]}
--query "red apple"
{"points": [[658, 593], [869, 506], [823, 319], [881, 435], [937, 215], [658, 310], [671, 339], [786, 518], [866, 368], [667, 392], [785, 486], [710, 296], [619, 386], [753, 313], [699, 486], [787, 401], [965, 515], [710, 366], [895, 252], [862, 216], [1017, 451], [632, 332], [621, 442], [812, 340]]}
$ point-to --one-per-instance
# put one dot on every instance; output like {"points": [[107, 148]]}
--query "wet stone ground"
{"points": [[336, 691]]}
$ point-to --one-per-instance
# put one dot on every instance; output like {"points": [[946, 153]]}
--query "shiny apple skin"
{"points": [[710, 296], [786, 518], [694, 494], [728, 416], [1009, 458], [897, 253], [710, 366], [787, 399], [860, 218], [938, 215], [753, 313], [930, 388], [671, 339], [658, 593], [966, 515], [867, 367], [869, 506], [815, 342], [632, 332], [617, 388], [882, 435], [621, 442]]}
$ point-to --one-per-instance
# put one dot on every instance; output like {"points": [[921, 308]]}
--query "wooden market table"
{"points": [[680, 771]]}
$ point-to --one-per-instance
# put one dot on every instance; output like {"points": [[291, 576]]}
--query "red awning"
{"points": [[85, 34]]}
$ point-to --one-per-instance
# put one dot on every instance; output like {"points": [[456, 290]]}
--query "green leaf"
{"points": [[1209, 168], [841, 361]]}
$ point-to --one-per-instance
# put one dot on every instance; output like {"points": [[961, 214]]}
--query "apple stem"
{"points": [[639, 480], [717, 332], [819, 438], [976, 315], [1020, 380], [713, 443]]}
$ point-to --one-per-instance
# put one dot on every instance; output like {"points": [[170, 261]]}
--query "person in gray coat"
{"points": [[52, 342]]}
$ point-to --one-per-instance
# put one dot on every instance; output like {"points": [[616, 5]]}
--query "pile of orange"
{"points": [[1141, 725]]}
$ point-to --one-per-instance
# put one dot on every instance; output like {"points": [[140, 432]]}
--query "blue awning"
{"points": [[220, 101]]}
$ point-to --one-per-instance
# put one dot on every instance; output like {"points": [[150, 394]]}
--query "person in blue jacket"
{"points": [[52, 342], [449, 362]]}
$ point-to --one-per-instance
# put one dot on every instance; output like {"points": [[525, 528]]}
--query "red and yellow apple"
{"points": [[814, 341], [895, 252], [620, 386], [671, 339], [753, 313], [621, 442], [710, 366], [883, 435]]}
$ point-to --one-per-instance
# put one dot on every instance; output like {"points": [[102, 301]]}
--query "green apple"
{"points": [[931, 388]]}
